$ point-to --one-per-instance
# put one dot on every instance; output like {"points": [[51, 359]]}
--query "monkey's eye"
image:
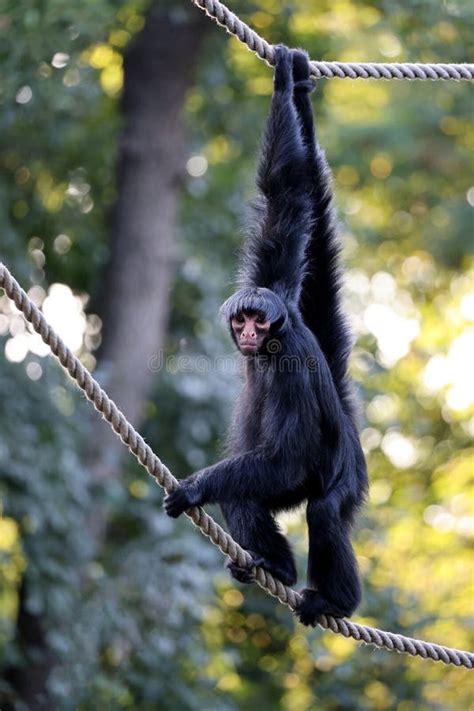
{"points": [[260, 319], [239, 318]]}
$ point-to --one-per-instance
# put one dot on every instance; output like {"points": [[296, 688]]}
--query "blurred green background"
{"points": [[122, 217]]}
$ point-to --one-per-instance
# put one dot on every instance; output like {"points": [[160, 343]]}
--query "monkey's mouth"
{"points": [[248, 347]]}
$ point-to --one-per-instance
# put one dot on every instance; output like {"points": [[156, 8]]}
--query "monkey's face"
{"points": [[250, 332]]}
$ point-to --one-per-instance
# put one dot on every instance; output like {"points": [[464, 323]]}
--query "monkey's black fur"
{"points": [[294, 436]]}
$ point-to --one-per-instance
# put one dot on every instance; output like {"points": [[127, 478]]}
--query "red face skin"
{"points": [[250, 331]]}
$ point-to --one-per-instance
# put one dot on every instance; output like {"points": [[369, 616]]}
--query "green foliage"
{"points": [[151, 622]]}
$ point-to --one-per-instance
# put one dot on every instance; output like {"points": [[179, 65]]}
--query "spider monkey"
{"points": [[294, 436]]}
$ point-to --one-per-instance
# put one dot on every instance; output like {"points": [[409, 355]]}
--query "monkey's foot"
{"points": [[313, 605], [285, 573], [243, 575]]}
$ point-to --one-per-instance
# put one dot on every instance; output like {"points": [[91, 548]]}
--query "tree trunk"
{"points": [[159, 68]]}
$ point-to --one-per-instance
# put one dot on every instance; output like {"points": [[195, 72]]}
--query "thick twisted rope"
{"points": [[343, 70], [155, 467]]}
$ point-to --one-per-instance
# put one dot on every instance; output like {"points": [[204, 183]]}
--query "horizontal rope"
{"points": [[155, 467], [221, 14]]}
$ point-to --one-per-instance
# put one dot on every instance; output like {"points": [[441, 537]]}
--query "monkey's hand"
{"points": [[301, 72], [184, 497], [283, 77]]}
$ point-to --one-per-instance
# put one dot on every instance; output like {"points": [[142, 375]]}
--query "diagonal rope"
{"points": [[221, 14], [155, 467]]}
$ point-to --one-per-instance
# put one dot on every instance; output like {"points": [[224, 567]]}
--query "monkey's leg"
{"points": [[332, 566], [255, 529]]}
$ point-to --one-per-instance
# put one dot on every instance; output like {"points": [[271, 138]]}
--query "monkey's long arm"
{"points": [[320, 301], [250, 476], [274, 253]]}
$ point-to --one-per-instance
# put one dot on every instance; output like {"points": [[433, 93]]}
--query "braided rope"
{"points": [[155, 467], [343, 70]]}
